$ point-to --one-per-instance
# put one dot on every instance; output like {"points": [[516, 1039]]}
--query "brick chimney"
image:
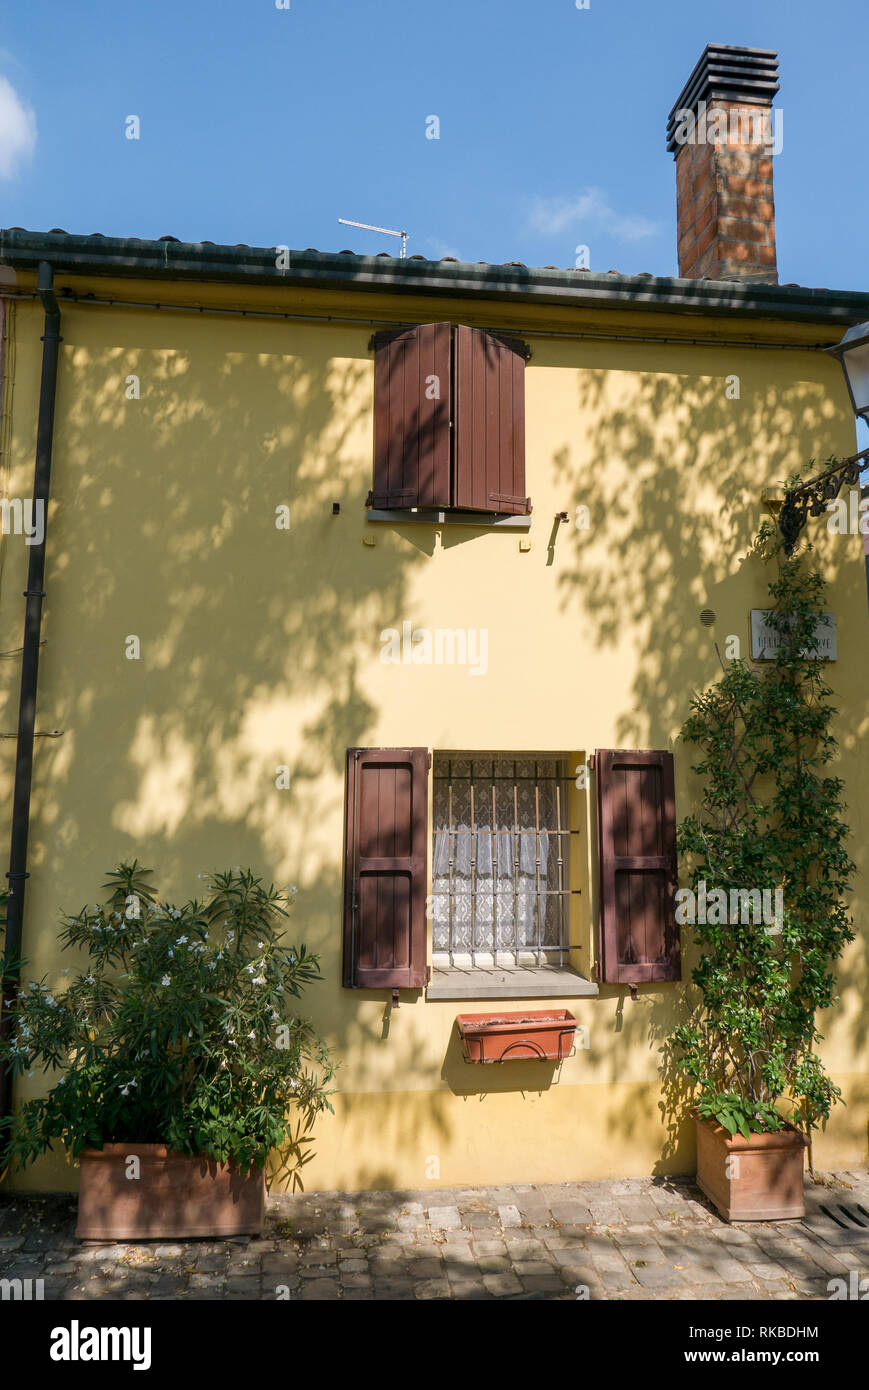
{"points": [[722, 133]]}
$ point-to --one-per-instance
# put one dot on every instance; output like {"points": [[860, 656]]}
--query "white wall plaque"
{"points": [[765, 641]]}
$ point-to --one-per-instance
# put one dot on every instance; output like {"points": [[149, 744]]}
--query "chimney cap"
{"points": [[724, 73]]}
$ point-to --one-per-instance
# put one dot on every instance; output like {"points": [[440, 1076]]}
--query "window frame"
{"points": [[521, 956]]}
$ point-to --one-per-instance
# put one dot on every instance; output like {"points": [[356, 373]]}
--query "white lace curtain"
{"points": [[493, 888]]}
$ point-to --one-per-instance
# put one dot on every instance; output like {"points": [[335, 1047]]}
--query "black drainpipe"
{"points": [[33, 595]]}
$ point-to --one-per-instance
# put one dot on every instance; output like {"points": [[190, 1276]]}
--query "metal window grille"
{"points": [[501, 859]]}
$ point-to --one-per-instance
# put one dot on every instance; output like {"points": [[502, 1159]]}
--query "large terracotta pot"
{"points": [[756, 1179], [172, 1197]]}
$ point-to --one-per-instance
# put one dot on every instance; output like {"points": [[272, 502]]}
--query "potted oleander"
{"points": [[767, 831], [177, 1062]]}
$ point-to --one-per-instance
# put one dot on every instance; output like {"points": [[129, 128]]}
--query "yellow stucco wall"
{"points": [[261, 647]]}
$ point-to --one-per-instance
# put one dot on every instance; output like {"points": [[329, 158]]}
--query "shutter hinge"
{"points": [[428, 763], [590, 760], [384, 336], [396, 1002]]}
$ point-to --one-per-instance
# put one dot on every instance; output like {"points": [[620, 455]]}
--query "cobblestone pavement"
{"points": [[637, 1239]]}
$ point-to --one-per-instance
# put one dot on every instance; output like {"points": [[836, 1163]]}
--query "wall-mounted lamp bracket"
{"points": [[811, 497]]}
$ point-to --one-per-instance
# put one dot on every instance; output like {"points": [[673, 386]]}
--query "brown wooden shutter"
{"points": [[489, 431], [386, 834], [639, 937], [411, 422]]}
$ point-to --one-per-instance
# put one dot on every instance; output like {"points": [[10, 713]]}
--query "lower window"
{"points": [[500, 869]]}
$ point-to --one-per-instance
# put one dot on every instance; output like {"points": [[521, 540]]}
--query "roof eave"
{"points": [[203, 261]]}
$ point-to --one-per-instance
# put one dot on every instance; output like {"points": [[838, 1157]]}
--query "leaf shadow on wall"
{"points": [[671, 470], [256, 642]]}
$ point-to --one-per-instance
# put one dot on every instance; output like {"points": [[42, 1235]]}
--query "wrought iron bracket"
{"points": [[811, 497]]}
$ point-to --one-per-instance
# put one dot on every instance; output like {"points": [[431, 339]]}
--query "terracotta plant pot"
{"points": [[756, 1179], [172, 1197], [544, 1035]]}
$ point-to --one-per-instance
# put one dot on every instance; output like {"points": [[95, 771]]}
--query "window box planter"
{"points": [[174, 1196], [756, 1179], [542, 1035]]}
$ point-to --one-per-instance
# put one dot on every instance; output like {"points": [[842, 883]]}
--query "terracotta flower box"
{"points": [[172, 1197], [544, 1035], [756, 1179]]}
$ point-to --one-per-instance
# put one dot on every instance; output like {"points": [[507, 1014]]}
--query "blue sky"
{"points": [[264, 126]]}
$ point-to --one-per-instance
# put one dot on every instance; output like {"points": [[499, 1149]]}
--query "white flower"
{"points": [[61, 1080], [165, 980], [259, 980], [252, 1035], [181, 940], [51, 1001]]}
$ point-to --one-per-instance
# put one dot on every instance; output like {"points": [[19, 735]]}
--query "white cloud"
{"points": [[587, 210], [17, 130], [439, 248]]}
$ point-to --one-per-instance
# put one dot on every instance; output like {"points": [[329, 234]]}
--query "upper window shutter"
{"points": [[386, 835], [412, 417], [639, 937], [489, 443]]}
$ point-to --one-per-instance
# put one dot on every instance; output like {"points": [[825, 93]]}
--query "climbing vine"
{"points": [[769, 819]]}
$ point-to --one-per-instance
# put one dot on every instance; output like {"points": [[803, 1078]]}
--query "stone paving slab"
{"points": [[655, 1239]]}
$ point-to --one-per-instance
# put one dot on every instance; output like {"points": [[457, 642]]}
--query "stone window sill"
{"points": [[532, 982], [433, 517]]}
